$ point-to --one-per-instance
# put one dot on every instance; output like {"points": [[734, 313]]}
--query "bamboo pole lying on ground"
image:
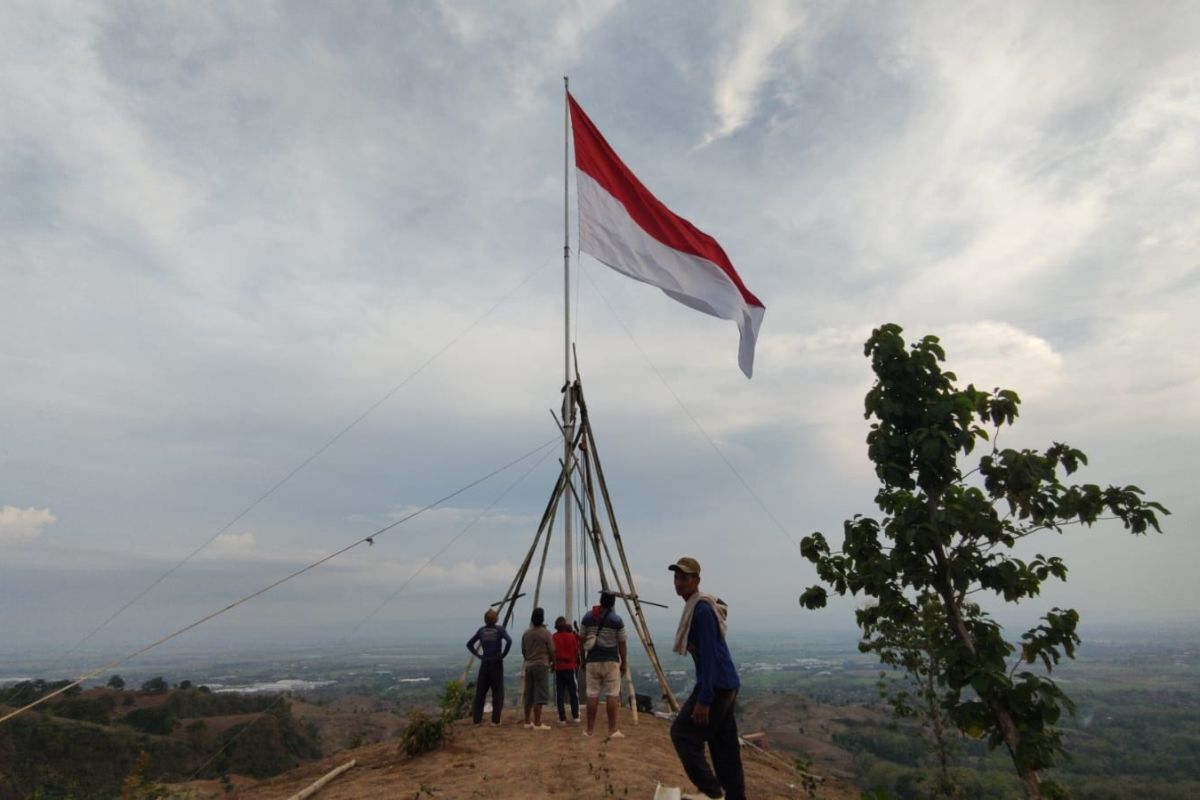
{"points": [[320, 784]]}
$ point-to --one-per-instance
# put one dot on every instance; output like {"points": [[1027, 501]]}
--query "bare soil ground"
{"points": [[798, 725], [350, 721], [513, 762]]}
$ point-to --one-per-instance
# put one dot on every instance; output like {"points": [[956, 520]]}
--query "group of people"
{"points": [[603, 641], [706, 718]]}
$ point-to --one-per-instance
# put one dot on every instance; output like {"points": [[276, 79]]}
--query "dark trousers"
{"points": [[564, 687], [721, 736], [491, 677]]}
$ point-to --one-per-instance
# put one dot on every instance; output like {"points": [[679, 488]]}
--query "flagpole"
{"points": [[568, 417]]}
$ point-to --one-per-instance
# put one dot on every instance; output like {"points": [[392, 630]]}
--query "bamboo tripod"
{"points": [[584, 498]]}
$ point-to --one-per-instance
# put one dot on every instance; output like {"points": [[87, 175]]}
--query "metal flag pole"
{"points": [[568, 412]]}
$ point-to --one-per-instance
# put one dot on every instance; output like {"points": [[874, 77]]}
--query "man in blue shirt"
{"points": [[494, 643], [707, 716]]}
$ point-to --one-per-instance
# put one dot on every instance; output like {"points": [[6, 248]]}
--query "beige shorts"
{"points": [[603, 678]]}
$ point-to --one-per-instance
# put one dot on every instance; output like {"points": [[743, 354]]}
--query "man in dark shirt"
{"points": [[494, 643], [707, 715]]}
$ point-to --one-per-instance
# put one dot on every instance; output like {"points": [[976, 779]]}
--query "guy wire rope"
{"points": [[303, 464], [350, 634], [271, 586]]}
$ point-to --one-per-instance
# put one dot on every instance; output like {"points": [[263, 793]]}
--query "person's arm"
{"points": [[589, 629], [705, 632], [549, 640], [474, 640], [622, 649], [507, 642]]}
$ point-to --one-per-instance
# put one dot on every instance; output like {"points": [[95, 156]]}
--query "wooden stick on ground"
{"points": [[319, 785]]}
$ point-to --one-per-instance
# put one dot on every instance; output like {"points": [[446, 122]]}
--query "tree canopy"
{"points": [[950, 533]]}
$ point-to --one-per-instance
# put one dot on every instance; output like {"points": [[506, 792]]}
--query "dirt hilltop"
{"points": [[514, 762]]}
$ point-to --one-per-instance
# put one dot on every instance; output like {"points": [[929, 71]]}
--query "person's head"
{"points": [[607, 600], [561, 624], [687, 576], [491, 616], [538, 617]]}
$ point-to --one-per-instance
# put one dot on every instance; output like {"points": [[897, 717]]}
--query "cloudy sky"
{"points": [[228, 232]]}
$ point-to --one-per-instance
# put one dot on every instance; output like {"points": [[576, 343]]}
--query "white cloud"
{"points": [[994, 355], [23, 524], [233, 543], [467, 575], [743, 68]]}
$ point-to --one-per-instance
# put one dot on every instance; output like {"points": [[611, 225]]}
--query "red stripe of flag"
{"points": [[594, 156]]}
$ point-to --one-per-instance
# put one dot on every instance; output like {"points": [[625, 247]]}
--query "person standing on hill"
{"points": [[494, 644], [537, 646], [566, 661], [707, 715], [607, 659]]}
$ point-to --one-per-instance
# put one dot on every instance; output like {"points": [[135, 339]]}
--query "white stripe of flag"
{"points": [[623, 225]]}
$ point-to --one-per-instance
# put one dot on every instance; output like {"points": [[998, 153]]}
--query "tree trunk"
{"points": [[939, 728], [1030, 779]]}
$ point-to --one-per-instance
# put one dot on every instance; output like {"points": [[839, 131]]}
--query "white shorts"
{"points": [[603, 677]]}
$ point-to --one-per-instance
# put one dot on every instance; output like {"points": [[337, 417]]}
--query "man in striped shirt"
{"points": [[607, 659]]}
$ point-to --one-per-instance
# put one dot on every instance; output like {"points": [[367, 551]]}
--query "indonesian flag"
{"points": [[624, 226]]}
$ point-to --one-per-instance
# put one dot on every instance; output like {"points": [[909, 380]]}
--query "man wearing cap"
{"points": [[707, 715]]}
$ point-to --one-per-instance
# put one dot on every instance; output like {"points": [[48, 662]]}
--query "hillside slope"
{"points": [[513, 762]]}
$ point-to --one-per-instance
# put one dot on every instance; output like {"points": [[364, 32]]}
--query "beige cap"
{"points": [[686, 565]]}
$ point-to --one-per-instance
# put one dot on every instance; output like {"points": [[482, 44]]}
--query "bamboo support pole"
{"points": [[594, 456], [537, 591], [606, 565], [635, 617], [633, 709], [514, 588]]}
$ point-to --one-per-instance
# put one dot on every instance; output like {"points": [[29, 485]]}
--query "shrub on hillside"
{"points": [[26, 692], [155, 721], [424, 734], [79, 761], [265, 746], [136, 786], [202, 703], [98, 710], [455, 700]]}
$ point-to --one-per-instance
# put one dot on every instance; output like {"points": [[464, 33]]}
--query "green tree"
{"points": [[155, 686], [116, 682], [950, 533], [915, 650]]}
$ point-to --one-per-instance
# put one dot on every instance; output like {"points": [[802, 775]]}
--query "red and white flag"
{"points": [[624, 226]]}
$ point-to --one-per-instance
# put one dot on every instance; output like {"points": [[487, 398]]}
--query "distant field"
{"points": [[1135, 735]]}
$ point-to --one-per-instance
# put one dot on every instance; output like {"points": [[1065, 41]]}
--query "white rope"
{"points": [[271, 586], [291, 474]]}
